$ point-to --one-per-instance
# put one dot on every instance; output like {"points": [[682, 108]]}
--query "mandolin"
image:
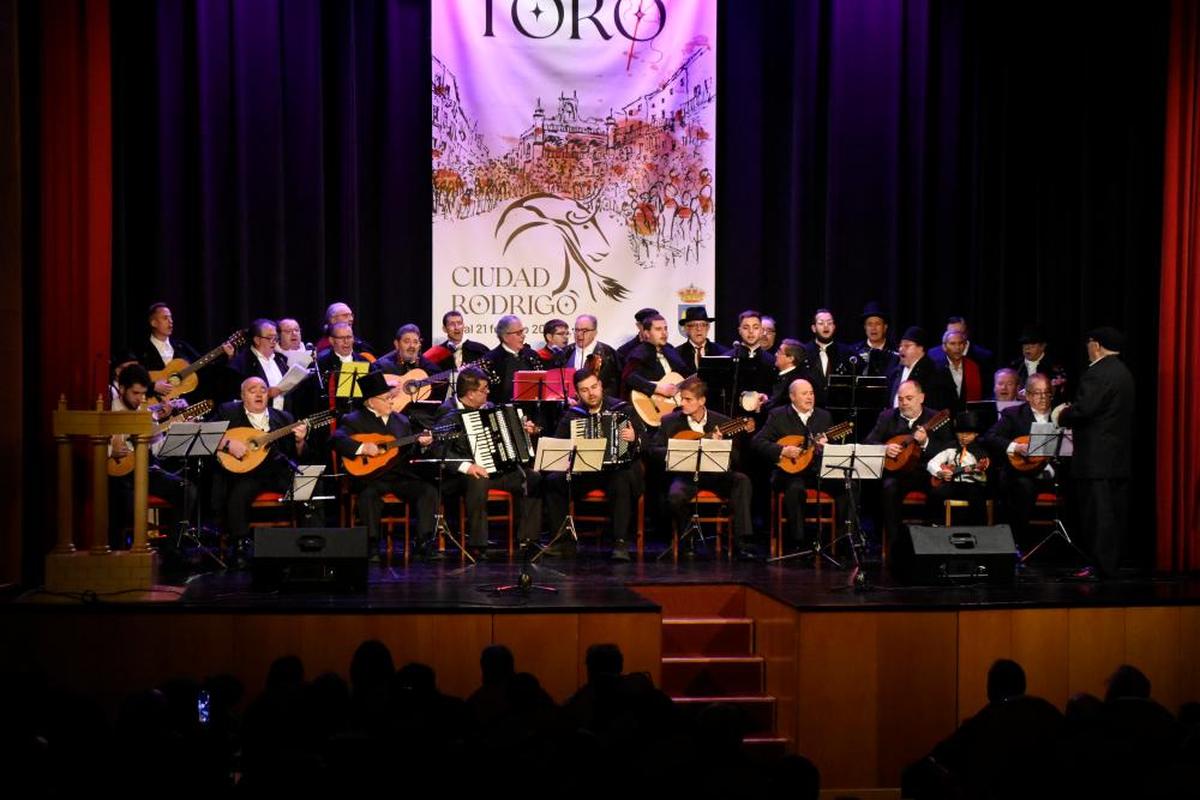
{"points": [[1023, 463], [389, 446], [182, 375], [726, 428], [909, 457], [258, 444], [801, 462], [122, 465]]}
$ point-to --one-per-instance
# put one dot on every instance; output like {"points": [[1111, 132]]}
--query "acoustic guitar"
{"points": [[652, 407], [389, 447], [726, 428], [807, 451], [979, 468], [1024, 463], [417, 384], [909, 457], [182, 375], [121, 465], [258, 444]]}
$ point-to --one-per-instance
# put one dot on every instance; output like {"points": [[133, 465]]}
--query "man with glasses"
{"points": [[586, 345], [557, 334], [322, 383], [260, 360], [1018, 489], [509, 357]]}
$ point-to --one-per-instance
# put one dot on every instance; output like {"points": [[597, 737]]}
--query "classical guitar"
{"points": [[1024, 463], [182, 375], [258, 444], [121, 465], [801, 462], [417, 384], [389, 447], [909, 457], [652, 407], [726, 428]]}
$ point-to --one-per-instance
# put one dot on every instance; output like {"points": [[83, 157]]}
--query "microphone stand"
{"points": [[733, 392]]}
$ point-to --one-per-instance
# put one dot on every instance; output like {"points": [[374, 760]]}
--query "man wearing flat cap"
{"points": [[1101, 417], [915, 365], [392, 477], [639, 319]]}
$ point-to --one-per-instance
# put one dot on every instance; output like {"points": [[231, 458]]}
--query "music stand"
{"points": [[853, 462], [1048, 440], [568, 456], [440, 528], [193, 440], [857, 394], [696, 456]]}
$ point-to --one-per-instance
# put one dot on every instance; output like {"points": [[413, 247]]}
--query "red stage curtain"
{"points": [[1179, 325], [76, 236]]}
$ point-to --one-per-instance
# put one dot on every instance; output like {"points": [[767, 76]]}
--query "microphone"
{"points": [[853, 359]]}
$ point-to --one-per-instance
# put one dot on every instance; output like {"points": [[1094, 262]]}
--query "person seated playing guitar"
{"points": [[960, 472]]}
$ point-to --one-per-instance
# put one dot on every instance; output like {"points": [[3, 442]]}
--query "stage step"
{"points": [[759, 710], [712, 676], [765, 748], [708, 636]]}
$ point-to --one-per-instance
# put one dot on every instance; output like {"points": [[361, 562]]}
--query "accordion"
{"points": [[606, 425], [497, 437]]}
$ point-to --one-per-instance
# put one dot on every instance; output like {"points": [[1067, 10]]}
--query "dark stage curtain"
{"points": [[1002, 160], [1178, 400], [271, 157]]}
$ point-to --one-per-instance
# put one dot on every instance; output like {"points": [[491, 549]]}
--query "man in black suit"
{"points": [[799, 417], [335, 314], [915, 365], [1034, 359], [322, 384], [586, 345], [621, 482], [457, 349], [161, 348], [259, 360], [874, 352], [407, 354], [694, 415], [791, 362], [1102, 420], [473, 480], [1019, 489], [233, 493], [825, 356], [509, 357], [396, 476], [639, 320], [696, 322], [648, 364], [757, 369], [908, 418]]}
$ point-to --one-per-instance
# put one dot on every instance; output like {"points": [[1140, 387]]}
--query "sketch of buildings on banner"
{"points": [[646, 166]]}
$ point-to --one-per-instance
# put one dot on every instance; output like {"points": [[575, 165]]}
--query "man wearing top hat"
{"points": [[393, 477], [915, 365], [696, 323], [1034, 358], [1101, 417], [875, 355]]}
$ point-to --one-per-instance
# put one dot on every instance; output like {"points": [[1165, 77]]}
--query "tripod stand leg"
{"points": [[440, 528], [567, 528]]}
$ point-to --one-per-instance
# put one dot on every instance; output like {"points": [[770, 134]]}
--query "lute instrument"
{"points": [[258, 444], [909, 457], [389, 447], [121, 465], [800, 463]]}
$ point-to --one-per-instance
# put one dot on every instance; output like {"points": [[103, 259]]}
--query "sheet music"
{"points": [[1043, 439], [292, 378], [867, 458], [714, 454]]}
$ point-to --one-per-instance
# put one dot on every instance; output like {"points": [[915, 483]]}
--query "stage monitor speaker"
{"points": [[310, 559], [960, 553]]}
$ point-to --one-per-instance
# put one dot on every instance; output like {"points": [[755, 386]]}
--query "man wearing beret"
{"points": [[1102, 420]]}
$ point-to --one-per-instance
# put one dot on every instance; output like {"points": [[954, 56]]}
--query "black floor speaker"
{"points": [[310, 559], [959, 553]]}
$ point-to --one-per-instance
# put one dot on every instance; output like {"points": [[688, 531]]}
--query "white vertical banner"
{"points": [[573, 160]]}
